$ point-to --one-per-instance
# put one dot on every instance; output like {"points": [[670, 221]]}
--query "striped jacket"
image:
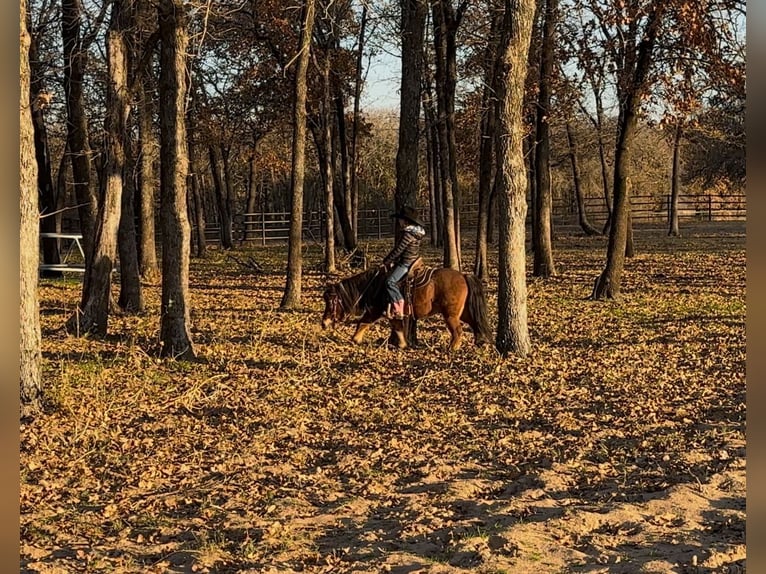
{"points": [[407, 250]]}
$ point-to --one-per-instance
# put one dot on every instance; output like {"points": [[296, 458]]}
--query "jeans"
{"points": [[399, 271]]}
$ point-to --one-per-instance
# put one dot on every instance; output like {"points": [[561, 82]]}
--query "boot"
{"points": [[398, 310]]}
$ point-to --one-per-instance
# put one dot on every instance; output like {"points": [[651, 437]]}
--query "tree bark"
{"points": [[149, 265], [355, 128], [543, 264], [675, 181], [291, 298], [224, 215], [512, 330], [47, 192], [93, 314], [582, 216], [413, 13], [75, 60], [487, 152], [175, 335], [131, 297], [343, 197], [607, 284], [328, 175], [29, 311], [451, 237]]}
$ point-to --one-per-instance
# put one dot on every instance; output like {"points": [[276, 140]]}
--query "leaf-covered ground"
{"points": [[617, 446]]}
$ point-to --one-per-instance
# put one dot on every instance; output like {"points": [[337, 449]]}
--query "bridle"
{"points": [[336, 299]]}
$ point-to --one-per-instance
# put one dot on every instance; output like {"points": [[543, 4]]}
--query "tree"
{"points": [[413, 22], [147, 141], [636, 59], [512, 331], [93, 314], [292, 295], [446, 21], [175, 320], [543, 265], [582, 217], [29, 312], [39, 97], [78, 146], [675, 181], [488, 138]]}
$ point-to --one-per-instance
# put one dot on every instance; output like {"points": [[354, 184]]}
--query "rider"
{"points": [[402, 256]]}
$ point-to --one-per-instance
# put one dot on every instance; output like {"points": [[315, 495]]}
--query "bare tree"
{"points": [[512, 330], [582, 216], [175, 319], [413, 22], [93, 314], [146, 181], [487, 151], [29, 312], [543, 265], [78, 146], [632, 86], [292, 295], [675, 180]]}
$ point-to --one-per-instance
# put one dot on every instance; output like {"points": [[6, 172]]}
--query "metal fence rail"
{"points": [[274, 227]]}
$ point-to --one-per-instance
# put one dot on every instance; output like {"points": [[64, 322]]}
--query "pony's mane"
{"points": [[361, 289]]}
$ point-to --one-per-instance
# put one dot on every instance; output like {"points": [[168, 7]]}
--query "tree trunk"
{"points": [[75, 60], [47, 192], [452, 21], [328, 178], [292, 295], [607, 284], [131, 297], [252, 196], [451, 251], [487, 152], [150, 270], [432, 141], [93, 315], [231, 194], [355, 128], [413, 29], [175, 335], [199, 211], [29, 310], [512, 331], [344, 195], [544, 265], [576, 182], [224, 216], [675, 181]]}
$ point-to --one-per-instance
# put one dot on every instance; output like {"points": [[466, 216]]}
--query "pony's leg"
{"points": [[397, 334], [361, 329], [456, 330], [363, 325]]}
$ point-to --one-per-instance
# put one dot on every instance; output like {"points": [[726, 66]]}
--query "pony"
{"points": [[458, 297]]}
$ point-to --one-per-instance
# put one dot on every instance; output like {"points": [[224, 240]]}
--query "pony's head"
{"points": [[334, 309]]}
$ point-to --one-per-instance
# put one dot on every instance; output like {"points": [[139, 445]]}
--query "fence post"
{"points": [[380, 231], [710, 207], [263, 228]]}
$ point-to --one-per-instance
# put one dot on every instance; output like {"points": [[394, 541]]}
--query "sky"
{"points": [[381, 92]]}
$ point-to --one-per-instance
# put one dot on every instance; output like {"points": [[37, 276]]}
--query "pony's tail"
{"points": [[477, 308]]}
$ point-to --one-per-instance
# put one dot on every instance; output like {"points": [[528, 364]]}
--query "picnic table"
{"points": [[72, 241]]}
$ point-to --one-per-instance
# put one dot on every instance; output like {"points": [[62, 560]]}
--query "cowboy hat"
{"points": [[408, 214]]}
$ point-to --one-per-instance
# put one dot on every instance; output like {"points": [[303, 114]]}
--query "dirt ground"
{"points": [[618, 446]]}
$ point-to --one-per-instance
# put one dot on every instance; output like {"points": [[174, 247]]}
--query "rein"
{"points": [[343, 299]]}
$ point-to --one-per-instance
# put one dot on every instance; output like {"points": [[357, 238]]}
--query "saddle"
{"points": [[418, 275]]}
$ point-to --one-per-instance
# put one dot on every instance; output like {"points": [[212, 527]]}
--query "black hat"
{"points": [[408, 214]]}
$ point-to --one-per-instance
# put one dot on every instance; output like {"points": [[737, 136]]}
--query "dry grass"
{"points": [[286, 448]]}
